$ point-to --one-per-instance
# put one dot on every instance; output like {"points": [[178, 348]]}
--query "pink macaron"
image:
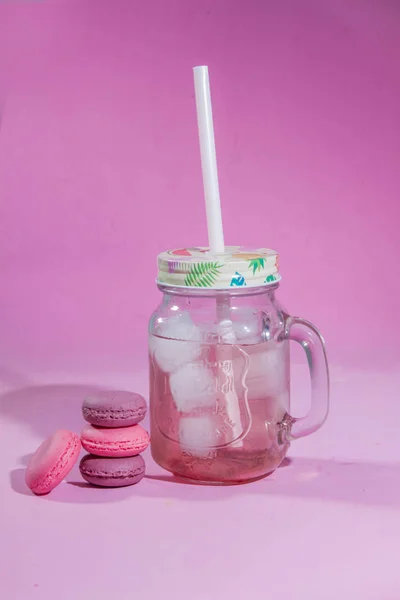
{"points": [[52, 461], [119, 441]]}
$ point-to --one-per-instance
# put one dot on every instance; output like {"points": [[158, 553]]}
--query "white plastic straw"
{"points": [[208, 159], [215, 231]]}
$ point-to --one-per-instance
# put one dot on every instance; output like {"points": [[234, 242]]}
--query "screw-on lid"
{"points": [[237, 266]]}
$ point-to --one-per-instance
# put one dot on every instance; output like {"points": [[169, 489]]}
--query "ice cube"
{"points": [[198, 434], [226, 332], [193, 386], [267, 374], [175, 342], [247, 327]]}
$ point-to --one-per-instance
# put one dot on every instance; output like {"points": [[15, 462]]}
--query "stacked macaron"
{"points": [[114, 439]]}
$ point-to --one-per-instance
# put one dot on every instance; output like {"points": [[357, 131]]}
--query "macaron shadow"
{"points": [[46, 408], [17, 482], [71, 491]]}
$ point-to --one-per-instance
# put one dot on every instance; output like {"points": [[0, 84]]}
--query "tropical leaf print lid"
{"points": [[236, 267]]}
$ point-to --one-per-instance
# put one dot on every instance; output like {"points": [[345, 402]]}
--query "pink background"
{"points": [[100, 171]]}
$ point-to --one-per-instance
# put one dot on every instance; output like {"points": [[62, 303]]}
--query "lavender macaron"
{"points": [[114, 409], [112, 472]]}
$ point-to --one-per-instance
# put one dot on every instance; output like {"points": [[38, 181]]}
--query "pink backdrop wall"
{"points": [[99, 166]]}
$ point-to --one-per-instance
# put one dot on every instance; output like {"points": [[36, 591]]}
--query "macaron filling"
{"points": [[107, 475], [113, 414], [112, 472], [104, 446]]}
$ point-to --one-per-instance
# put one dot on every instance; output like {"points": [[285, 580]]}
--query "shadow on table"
{"points": [[44, 409], [351, 482], [71, 491]]}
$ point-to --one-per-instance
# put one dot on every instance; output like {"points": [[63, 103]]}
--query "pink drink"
{"points": [[216, 417]]}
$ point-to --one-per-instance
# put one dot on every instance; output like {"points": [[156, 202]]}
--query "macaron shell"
{"points": [[52, 461], [121, 441], [114, 409], [112, 472]]}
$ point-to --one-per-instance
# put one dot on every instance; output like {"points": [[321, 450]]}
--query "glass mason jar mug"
{"points": [[220, 369]]}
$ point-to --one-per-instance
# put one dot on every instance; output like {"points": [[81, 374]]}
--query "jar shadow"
{"points": [[330, 480]]}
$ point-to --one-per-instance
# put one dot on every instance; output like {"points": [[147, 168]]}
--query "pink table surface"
{"points": [[323, 526]]}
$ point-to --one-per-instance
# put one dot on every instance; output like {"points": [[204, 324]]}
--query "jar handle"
{"points": [[308, 336]]}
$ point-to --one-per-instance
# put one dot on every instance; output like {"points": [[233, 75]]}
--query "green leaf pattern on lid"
{"points": [[202, 274], [256, 264]]}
